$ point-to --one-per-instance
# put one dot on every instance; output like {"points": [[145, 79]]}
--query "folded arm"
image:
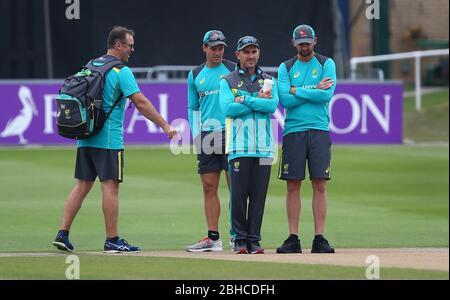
{"points": [[287, 100], [264, 105], [320, 95], [230, 108]]}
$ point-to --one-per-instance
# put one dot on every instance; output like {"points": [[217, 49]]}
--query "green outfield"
{"points": [[108, 267], [431, 123], [379, 197]]}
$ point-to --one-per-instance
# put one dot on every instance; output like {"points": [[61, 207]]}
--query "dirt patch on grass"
{"points": [[415, 258]]}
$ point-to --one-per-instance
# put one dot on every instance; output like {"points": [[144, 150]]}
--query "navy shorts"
{"points": [[312, 146], [212, 157], [97, 162]]}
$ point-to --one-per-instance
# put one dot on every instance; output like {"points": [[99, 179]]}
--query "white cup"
{"points": [[267, 85]]}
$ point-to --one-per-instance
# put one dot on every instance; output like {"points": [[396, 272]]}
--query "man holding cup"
{"points": [[306, 84], [249, 143]]}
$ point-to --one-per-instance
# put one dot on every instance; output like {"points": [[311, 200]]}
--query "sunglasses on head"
{"points": [[248, 40], [216, 36]]}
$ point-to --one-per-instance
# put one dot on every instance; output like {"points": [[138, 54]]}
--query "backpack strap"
{"points": [[114, 105], [102, 65]]}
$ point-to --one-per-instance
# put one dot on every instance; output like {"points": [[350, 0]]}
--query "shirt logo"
{"points": [[315, 73], [286, 169], [207, 93], [236, 166], [240, 83], [296, 75], [202, 81]]}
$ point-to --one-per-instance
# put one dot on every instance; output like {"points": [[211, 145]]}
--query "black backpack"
{"points": [[80, 113]]}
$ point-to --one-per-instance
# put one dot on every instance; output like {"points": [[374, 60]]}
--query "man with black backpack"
{"points": [[306, 85], [101, 154]]}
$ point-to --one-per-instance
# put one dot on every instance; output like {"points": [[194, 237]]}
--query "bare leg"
{"points": [[293, 204], [74, 202], [110, 189], [210, 183], [319, 204]]}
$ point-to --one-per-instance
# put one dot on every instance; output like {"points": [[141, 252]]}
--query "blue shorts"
{"points": [[97, 162], [312, 146], [212, 157]]}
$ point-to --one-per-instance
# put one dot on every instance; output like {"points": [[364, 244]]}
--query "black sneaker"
{"points": [[255, 248], [240, 247], [321, 245], [290, 246]]}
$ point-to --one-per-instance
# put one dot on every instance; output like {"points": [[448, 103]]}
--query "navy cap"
{"points": [[303, 34], [213, 38], [247, 41]]}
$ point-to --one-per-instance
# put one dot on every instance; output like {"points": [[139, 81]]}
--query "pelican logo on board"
{"points": [[19, 124]]}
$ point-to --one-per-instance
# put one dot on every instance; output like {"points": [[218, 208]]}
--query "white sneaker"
{"points": [[206, 245], [231, 243]]}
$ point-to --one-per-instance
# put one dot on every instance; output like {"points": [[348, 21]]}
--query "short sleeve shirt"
{"points": [[119, 82]]}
